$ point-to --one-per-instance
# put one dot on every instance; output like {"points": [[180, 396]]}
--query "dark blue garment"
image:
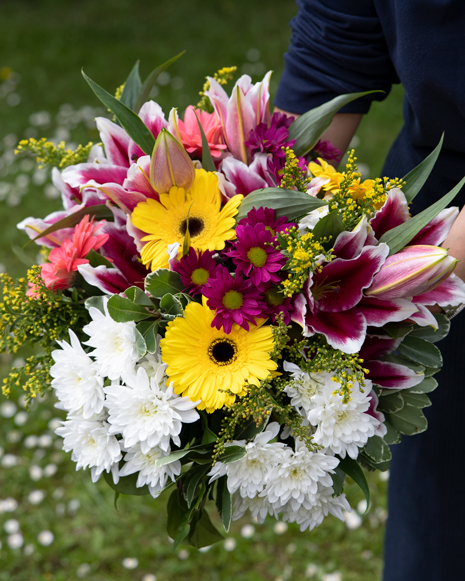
{"points": [[341, 46]]}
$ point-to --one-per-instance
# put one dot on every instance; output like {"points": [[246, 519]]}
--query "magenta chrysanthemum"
{"points": [[271, 139], [235, 300], [276, 303], [267, 217], [195, 269], [255, 255], [327, 151]]}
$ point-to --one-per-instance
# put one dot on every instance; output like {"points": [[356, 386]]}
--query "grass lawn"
{"points": [[43, 46]]}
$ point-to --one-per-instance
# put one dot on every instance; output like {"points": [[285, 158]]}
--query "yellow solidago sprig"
{"points": [[222, 77], [294, 177], [47, 153], [38, 321], [305, 255]]}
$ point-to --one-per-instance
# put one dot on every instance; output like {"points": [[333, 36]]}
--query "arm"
{"points": [[455, 242]]}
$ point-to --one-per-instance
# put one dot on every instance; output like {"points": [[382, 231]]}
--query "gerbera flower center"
{"points": [[274, 297], [223, 351], [196, 227], [199, 276], [257, 256], [270, 229], [233, 300]]}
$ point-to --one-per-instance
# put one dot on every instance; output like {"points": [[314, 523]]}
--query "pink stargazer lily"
{"points": [[393, 213], [240, 178], [414, 270], [332, 302], [242, 112]]}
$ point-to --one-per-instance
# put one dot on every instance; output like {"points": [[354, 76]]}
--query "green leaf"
{"points": [[148, 330], [232, 453], [137, 296], [249, 430], [190, 481], [207, 160], [352, 469], [150, 81], [171, 305], [96, 302], [377, 449], [398, 330], [224, 502], [409, 420], [404, 361], [433, 335], [308, 128], [178, 516], [176, 455], [126, 485], [204, 533], [401, 235], [289, 203], [330, 226], [122, 310], [417, 177], [141, 347], [163, 281], [130, 122], [390, 403], [338, 481], [392, 436], [419, 400], [100, 211], [95, 259], [421, 351], [132, 88], [428, 385]]}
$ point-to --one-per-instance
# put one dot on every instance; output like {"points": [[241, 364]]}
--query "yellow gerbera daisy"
{"points": [[326, 171], [206, 364], [166, 221]]}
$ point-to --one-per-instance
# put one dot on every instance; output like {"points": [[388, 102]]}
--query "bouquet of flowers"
{"points": [[223, 314]]}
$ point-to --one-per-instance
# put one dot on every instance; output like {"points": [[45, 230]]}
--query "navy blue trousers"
{"points": [[426, 522]]}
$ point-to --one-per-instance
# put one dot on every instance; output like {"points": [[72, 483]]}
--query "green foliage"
{"points": [[163, 281], [416, 178]]}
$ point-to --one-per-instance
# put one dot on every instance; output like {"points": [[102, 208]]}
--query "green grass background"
{"points": [[46, 43]]}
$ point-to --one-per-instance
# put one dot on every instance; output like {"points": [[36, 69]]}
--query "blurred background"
{"points": [[54, 523]]}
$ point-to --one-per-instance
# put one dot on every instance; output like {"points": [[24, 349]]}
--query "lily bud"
{"points": [[170, 164], [412, 271]]}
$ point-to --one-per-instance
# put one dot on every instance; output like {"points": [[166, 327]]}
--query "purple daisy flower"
{"points": [[255, 255], [235, 300], [195, 269], [278, 303], [271, 139], [266, 216], [327, 151]]}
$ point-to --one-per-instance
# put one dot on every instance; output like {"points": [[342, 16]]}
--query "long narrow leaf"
{"points": [[130, 122], [352, 469], [308, 128], [401, 235], [289, 203], [418, 176], [132, 87], [151, 80], [207, 160]]}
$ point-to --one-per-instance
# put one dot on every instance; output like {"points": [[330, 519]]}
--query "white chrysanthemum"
{"points": [[342, 427], [303, 387], [311, 220], [153, 365], [296, 479], [154, 476], [91, 445], [259, 508], [248, 474], [114, 344], [76, 380], [148, 412]]}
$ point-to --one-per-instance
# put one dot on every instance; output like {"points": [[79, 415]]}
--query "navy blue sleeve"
{"points": [[337, 47]]}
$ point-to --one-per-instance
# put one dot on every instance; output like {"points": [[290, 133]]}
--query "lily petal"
{"points": [[392, 375], [115, 140], [349, 244], [450, 292], [378, 312], [437, 230], [345, 331], [108, 280], [392, 214]]}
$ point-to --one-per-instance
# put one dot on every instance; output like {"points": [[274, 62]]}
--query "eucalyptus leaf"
{"points": [[401, 235], [433, 335], [289, 203], [150, 81], [137, 296], [392, 436], [391, 403], [141, 347], [132, 88], [122, 310], [307, 129], [416, 178], [131, 123], [352, 469], [421, 351], [419, 400], [428, 385], [224, 502], [171, 305], [163, 281], [148, 330], [409, 420], [207, 159], [377, 449]]}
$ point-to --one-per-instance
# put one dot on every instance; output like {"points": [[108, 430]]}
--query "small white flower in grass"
{"points": [[115, 348], [36, 496], [130, 563], [145, 464], [11, 526], [8, 409], [352, 520], [29, 549], [280, 528], [45, 538], [342, 427], [35, 472], [15, 541], [303, 387], [9, 460], [9, 504], [21, 418], [247, 531], [248, 474], [148, 412], [76, 379], [91, 445], [296, 479], [229, 544]]}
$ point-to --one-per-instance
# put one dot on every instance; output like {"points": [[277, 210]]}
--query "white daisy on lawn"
{"points": [[148, 412], [92, 446], [154, 476], [76, 380], [114, 344], [247, 476], [342, 427], [303, 386], [296, 478]]}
